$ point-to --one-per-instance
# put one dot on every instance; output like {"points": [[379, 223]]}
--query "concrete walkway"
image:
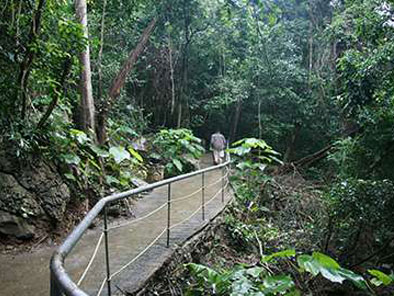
{"points": [[28, 273]]}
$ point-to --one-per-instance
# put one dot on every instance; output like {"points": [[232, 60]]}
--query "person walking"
{"points": [[218, 143]]}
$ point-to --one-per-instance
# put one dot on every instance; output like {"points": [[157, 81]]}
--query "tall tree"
{"points": [[120, 79], [87, 102]]}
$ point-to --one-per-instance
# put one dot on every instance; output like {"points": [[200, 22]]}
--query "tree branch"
{"points": [[52, 105], [25, 66]]}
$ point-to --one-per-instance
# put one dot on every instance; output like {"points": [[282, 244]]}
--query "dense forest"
{"points": [[99, 96]]}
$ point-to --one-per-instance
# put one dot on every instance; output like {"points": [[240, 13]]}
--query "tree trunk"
{"points": [[236, 120], [290, 148], [259, 119], [179, 120], [119, 81], [25, 66], [53, 104], [183, 98], [100, 54], [87, 103], [171, 74]]}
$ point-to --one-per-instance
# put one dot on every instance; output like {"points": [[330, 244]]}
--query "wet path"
{"points": [[28, 273]]}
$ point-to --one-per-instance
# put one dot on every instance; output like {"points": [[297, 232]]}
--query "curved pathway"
{"points": [[28, 273]]}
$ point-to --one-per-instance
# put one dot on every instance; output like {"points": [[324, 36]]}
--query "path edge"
{"points": [[181, 253]]}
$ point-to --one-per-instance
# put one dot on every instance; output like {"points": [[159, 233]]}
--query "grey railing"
{"points": [[61, 282]]}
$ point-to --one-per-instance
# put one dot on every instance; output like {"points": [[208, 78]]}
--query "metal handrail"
{"points": [[61, 282]]}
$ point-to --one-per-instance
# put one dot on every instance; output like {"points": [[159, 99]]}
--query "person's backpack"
{"points": [[218, 142]]}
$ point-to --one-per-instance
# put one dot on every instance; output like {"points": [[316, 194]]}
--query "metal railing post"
{"points": [[203, 196], [55, 291], [223, 184], [107, 250], [168, 213]]}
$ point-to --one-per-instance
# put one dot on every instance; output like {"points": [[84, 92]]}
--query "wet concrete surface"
{"points": [[28, 273]]}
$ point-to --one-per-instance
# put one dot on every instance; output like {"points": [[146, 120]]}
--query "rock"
{"points": [[32, 196], [155, 173], [47, 186], [16, 199], [15, 226]]}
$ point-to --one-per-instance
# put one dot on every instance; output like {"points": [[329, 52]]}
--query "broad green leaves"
{"points": [[322, 264], [380, 277], [177, 164], [248, 281], [260, 280], [281, 254], [277, 284], [119, 153], [71, 159], [179, 148], [258, 149]]}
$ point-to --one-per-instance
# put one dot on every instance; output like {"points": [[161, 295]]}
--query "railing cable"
{"points": [[164, 205], [197, 210], [61, 283], [186, 197], [158, 237], [138, 219], [101, 287], [139, 255], [216, 182], [91, 260]]}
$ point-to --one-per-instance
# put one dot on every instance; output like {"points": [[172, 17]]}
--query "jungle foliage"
{"points": [[313, 78]]}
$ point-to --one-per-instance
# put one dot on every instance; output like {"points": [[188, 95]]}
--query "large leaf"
{"points": [[111, 180], [358, 280], [277, 284], [119, 153], [80, 136], [307, 263], [255, 271], [325, 261], [282, 254], [178, 164], [135, 154], [322, 264], [99, 151], [71, 159], [241, 286], [381, 277]]}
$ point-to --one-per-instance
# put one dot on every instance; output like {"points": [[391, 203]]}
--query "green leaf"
{"points": [[328, 268], [178, 164], [119, 153], [80, 136], [155, 156], [71, 159], [255, 271], [306, 262], [381, 276], [358, 280], [282, 254], [325, 260], [111, 180], [277, 284], [332, 275], [135, 154], [99, 151], [241, 286], [276, 159], [70, 177], [244, 165], [95, 164]]}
